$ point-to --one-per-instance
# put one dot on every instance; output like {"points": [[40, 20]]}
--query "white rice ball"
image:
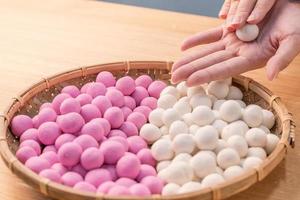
{"points": [[218, 88], [242, 104], [230, 111], [162, 165], [268, 119], [221, 144], [233, 171], [251, 162], [195, 90], [193, 129], [203, 164], [206, 138], [162, 150], [218, 103], [257, 152], [248, 32], [182, 88], [189, 187], [212, 180], [178, 127], [234, 93], [256, 137], [253, 115], [235, 128], [164, 130], [166, 101], [183, 143], [171, 91], [182, 107], [238, 143], [202, 115], [219, 171], [187, 118], [169, 116], [170, 189], [228, 157], [178, 173], [200, 100], [272, 141], [219, 125], [265, 129], [150, 133], [155, 117], [182, 157]]}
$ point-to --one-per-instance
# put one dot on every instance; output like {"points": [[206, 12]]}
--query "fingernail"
{"points": [[236, 20], [251, 18], [222, 15]]}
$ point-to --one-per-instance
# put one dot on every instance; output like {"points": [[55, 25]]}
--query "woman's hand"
{"points": [[224, 55]]}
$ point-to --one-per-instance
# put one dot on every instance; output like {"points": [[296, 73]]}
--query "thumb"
{"points": [[288, 49]]}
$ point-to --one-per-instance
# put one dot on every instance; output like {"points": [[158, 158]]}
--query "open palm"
{"points": [[224, 55]]}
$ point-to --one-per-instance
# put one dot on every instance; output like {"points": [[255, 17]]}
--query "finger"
{"points": [[224, 10], [233, 7], [203, 51], [205, 37], [185, 71], [260, 10], [288, 49], [242, 13], [222, 70]]}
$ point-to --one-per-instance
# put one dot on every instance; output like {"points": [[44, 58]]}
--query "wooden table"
{"points": [[39, 38]]}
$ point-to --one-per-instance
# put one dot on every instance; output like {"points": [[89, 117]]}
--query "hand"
{"points": [[225, 55], [242, 11]]}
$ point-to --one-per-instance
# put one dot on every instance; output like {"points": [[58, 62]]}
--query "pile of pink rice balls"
{"points": [[141, 137]]}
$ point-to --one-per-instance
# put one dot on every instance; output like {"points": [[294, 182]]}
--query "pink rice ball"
{"points": [[57, 101], [105, 187], [112, 171], [70, 105], [30, 134], [86, 141], [146, 157], [127, 182], [89, 112], [50, 174], [96, 89], [104, 123], [115, 117], [20, 124], [122, 140], [69, 154], [59, 168], [85, 87], [150, 102], [116, 97], [79, 169], [62, 139], [97, 176], [155, 88], [128, 166], [72, 90], [136, 143], [139, 190], [112, 151], [102, 103], [85, 186], [139, 94], [84, 99], [51, 157], [46, 115], [145, 110], [143, 81], [70, 123], [46, 105], [48, 132], [146, 170], [50, 148], [154, 184], [137, 119], [126, 111], [33, 144], [24, 153], [116, 132], [71, 178], [91, 158], [106, 78], [93, 129], [37, 164], [126, 85], [129, 102], [129, 129], [118, 190], [35, 121]]}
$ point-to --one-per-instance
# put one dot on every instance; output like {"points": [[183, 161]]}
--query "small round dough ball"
{"points": [[193, 129], [248, 32], [235, 128], [166, 101], [178, 127], [218, 103], [230, 111], [182, 88], [265, 129], [150, 133], [212, 180], [238, 143], [202, 115], [170, 189], [218, 88], [162, 150], [182, 157], [228, 157], [256, 137], [219, 125], [206, 138], [164, 130], [251, 162], [182, 107], [221, 144], [189, 187], [169, 116], [272, 141], [232, 172], [203, 163], [268, 119], [178, 173], [253, 115], [155, 117], [162, 165], [257, 152], [183, 143], [234, 93], [170, 90], [195, 90], [200, 100], [242, 104], [187, 118], [219, 171]]}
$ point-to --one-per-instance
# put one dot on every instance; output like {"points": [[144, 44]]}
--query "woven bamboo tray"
{"points": [[29, 101]]}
